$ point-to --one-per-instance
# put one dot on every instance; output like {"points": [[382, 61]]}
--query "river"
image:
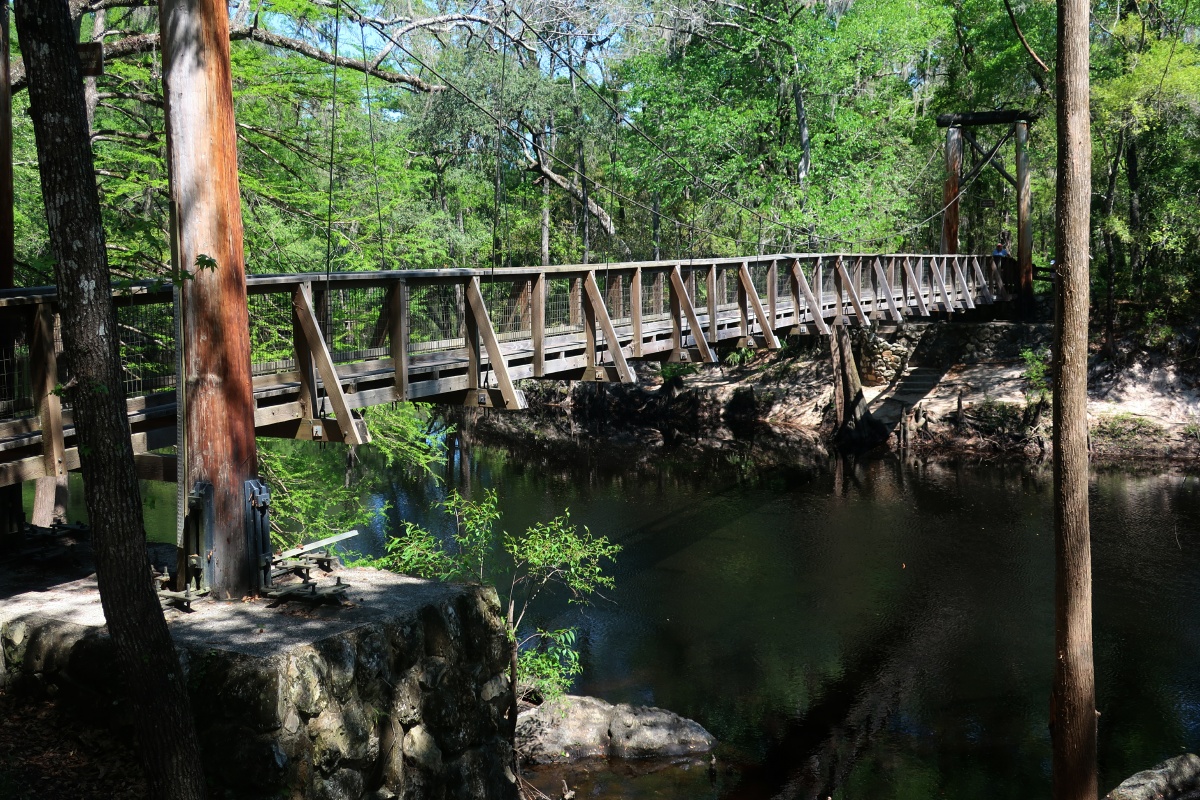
{"points": [[864, 631], [879, 630]]}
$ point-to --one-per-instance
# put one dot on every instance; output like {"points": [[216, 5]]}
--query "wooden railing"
{"points": [[325, 346]]}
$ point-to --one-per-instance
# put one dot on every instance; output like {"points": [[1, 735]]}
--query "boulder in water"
{"points": [[573, 727]]}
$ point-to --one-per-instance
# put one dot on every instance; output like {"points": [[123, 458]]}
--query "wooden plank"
{"points": [[690, 311], [962, 282], [635, 311], [850, 290], [743, 307], [887, 291], [479, 312], [153, 467], [940, 283], [537, 324], [326, 368], [306, 371], [767, 332], [711, 279], [50, 500], [610, 335], [983, 118], [676, 319], [398, 333], [44, 365], [914, 287], [819, 290], [982, 281], [773, 291]]}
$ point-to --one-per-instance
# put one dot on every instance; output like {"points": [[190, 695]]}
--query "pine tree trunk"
{"points": [[1073, 703], [145, 653]]}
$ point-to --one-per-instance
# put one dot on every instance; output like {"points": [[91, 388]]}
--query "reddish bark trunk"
{"points": [[145, 653]]}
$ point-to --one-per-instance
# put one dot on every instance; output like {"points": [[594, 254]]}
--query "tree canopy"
{"points": [[472, 134]]}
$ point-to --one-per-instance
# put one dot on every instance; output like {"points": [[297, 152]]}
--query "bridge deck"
{"points": [[461, 336]]}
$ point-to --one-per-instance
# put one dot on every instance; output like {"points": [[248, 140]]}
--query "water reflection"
{"points": [[863, 630]]}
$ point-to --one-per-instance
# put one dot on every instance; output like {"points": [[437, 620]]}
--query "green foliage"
{"points": [[546, 555], [1192, 430], [549, 668], [679, 370], [739, 356], [319, 489], [1037, 373], [1127, 430]]}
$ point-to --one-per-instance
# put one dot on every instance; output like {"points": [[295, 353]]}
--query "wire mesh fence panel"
{"points": [[760, 274], [16, 389], [655, 300], [146, 334], [727, 288], [272, 344], [563, 314], [509, 307], [783, 285], [355, 324], [436, 317], [614, 288]]}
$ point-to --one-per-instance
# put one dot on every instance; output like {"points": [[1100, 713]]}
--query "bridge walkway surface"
{"points": [[325, 346]]}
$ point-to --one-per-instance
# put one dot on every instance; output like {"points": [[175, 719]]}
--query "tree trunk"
{"points": [[1110, 250], [1135, 211], [1073, 703], [145, 653]]}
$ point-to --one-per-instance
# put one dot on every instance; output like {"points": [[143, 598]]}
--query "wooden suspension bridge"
{"points": [[324, 347], [220, 358]]}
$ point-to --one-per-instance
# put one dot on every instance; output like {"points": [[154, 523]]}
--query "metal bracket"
{"points": [[258, 530]]}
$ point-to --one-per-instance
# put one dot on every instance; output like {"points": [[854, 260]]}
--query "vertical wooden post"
{"points": [[712, 303], [575, 299], [660, 279], [12, 513], [50, 501], [954, 155], [773, 291], [589, 334], [743, 305], [676, 321], [794, 291], [537, 325], [474, 360], [1024, 218], [203, 181], [635, 310], [398, 335], [304, 360]]}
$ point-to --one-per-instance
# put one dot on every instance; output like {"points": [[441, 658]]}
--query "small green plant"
{"points": [[739, 356], [669, 371], [546, 555], [1192, 430], [1158, 332], [1036, 374], [1126, 430]]}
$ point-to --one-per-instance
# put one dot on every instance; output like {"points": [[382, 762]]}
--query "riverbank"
{"points": [[979, 389]]}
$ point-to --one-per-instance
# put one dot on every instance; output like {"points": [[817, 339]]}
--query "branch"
{"points": [[1021, 36]]}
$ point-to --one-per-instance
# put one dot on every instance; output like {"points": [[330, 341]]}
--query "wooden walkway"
{"points": [[325, 346]]}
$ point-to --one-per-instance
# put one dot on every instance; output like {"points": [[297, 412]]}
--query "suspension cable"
{"points": [[374, 163]]}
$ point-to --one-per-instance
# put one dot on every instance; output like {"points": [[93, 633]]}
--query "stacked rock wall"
{"points": [[883, 354], [411, 706]]}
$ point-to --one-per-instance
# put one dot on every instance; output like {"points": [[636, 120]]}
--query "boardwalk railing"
{"points": [[324, 347]]}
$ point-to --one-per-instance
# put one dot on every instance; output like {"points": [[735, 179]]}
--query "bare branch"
{"points": [[1021, 36]]}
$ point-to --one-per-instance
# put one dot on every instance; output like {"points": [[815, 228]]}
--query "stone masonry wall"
{"points": [[411, 706], [883, 354]]}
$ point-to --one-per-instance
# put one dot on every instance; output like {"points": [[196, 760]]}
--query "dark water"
{"points": [[870, 631]]}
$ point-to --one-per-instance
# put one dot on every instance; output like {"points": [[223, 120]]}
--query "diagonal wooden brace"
{"points": [[962, 281], [887, 291], [814, 306], [600, 311], [940, 283], [915, 287], [478, 310], [756, 304], [848, 285], [352, 432], [981, 281], [678, 290]]}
